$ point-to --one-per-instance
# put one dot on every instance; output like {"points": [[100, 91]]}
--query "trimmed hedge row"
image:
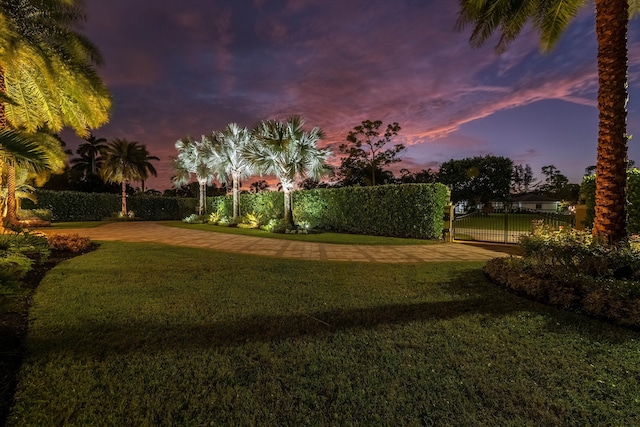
{"points": [[78, 206], [408, 210], [588, 190]]}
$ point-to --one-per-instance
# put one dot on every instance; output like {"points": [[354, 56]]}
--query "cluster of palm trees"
{"points": [[279, 148], [118, 161], [47, 82]]}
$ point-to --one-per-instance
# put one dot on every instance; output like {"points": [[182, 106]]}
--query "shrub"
{"points": [[31, 214], [195, 219], [69, 242], [32, 245], [13, 267], [573, 270]]}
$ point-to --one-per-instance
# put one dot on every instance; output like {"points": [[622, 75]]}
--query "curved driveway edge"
{"points": [[152, 232]]}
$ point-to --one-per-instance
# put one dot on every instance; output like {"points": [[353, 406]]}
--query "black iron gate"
{"points": [[505, 227]]}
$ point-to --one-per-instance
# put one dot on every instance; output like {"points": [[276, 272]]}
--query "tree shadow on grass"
{"points": [[472, 295]]}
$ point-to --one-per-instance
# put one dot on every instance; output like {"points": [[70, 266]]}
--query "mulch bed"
{"points": [[13, 327]]}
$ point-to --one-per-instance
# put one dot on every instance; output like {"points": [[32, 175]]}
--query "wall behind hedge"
{"points": [[588, 191], [78, 206]]}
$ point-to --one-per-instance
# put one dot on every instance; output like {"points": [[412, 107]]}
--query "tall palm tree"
{"points": [[46, 74], [198, 158], [285, 150], [90, 151], [234, 166], [147, 167], [123, 161], [550, 19]]}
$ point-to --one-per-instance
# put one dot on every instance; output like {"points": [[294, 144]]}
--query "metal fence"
{"points": [[504, 227]]}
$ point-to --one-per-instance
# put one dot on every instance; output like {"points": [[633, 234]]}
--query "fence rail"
{"points": [[504, 227]]}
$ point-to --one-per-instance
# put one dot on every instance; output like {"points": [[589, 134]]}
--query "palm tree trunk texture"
{"points": [[202, 202], [236, 204], [124, 198], [12, 213], [288, 212], [3, 125], [611, 172]]}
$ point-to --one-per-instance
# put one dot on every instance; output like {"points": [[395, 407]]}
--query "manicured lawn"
{"points": [[139, 334], [338, 238]]}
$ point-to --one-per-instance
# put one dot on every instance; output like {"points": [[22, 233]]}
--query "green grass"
{"points": [[337, 238], [516, 222], [140, 334]]}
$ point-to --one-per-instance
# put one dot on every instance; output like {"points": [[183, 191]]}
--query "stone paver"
{"points": [[158, 233]]}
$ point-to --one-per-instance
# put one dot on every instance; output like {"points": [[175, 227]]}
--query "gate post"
{"points": [[506, 224], [448, 225]]}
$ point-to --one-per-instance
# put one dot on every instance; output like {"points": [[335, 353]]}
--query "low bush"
{"points": [[573, 270], [195, 219], [31, 214], [18, 252], [69, 242]]}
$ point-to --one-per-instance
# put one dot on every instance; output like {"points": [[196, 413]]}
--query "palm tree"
{"points": [[147, 167], [89, 161], [285, 150], [550, 19], [234, 166], [195, 157], [46, 74], [124, 161]]}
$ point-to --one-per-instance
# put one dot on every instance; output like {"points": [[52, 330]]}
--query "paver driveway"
{"points": [[155, 232]]}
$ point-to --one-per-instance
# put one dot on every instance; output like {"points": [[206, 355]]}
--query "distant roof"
{"points": [[534, 198]]}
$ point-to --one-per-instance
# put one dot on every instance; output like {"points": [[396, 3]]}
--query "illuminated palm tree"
{"points": [[45, 74], [198, 158], [550, 19], [233, 165], [124, 161], [285, 150]]}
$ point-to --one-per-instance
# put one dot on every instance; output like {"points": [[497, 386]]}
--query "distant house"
{"points": [[535, 202]]}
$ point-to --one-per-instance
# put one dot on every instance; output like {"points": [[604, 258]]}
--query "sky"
{"points": [[189, 67]]}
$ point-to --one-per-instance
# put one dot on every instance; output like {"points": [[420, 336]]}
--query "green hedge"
{"points": [[78, 206], [408, 210], [588, 191]]}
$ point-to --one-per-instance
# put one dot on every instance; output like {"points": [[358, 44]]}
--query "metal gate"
{"points": [[504, 227]]}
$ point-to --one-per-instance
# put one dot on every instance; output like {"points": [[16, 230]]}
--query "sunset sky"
{"points": [[178, 68]]}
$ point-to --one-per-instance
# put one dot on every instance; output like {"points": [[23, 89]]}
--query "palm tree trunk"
{"points": [[124, 198], [611, 171], [236, 202], [3, 125], [202, 201], [12, 213], [288, 211]]}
